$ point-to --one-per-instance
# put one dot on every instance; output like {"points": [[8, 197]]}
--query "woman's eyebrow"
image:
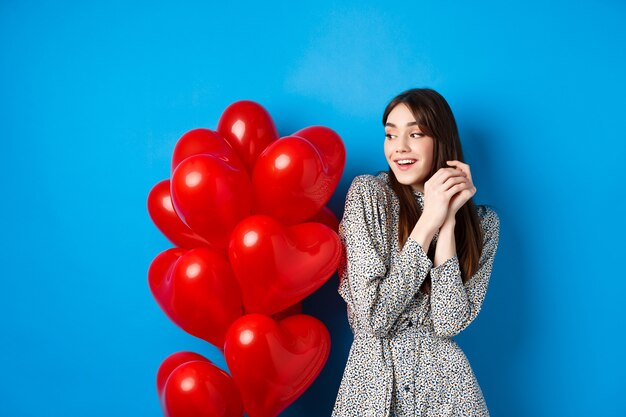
{"points": [[408, 124]]}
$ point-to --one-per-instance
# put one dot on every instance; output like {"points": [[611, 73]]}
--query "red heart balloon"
{"points": [[290, 181], [160, 271], [273, 363], [210, 196], [249, 129], [200, 294], [200, 389], [277, 266], [204, 141], [329, 145], [172, 362], [167, 221], [327, 217]]}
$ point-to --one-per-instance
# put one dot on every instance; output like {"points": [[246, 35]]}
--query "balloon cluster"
{"points": [[247, 213]]}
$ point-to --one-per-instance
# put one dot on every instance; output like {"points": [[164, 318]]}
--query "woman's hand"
{"points": [[444, 194], [441, 193], [464, 192]]}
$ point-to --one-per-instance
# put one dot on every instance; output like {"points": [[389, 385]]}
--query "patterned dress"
{"points": [[403, 361]]}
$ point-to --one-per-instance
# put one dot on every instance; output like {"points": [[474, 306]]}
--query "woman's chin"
{"points": [[408, 178]]}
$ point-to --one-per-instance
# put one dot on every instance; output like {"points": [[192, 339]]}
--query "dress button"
{"points": [[410, 323], [407, 388]]}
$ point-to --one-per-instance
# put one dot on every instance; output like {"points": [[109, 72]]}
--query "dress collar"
{"points": [[419, 195]]}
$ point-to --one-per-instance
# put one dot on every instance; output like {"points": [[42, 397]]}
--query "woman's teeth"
{"points": [[405, 161]]}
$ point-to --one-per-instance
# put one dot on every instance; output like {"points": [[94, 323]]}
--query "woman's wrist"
{"points": [[423, 232], [449, 223]]}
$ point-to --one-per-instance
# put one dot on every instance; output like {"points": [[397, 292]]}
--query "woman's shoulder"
{"points": [[370, 193], [370, 185]]}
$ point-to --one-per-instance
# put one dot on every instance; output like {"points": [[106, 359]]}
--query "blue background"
{"points": [[94, 96]]}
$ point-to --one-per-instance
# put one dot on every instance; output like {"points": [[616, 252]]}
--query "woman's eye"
{"points": [[417, 135], [389, 136]]}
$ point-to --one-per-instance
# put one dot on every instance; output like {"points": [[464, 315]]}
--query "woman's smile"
{"points": [[405, 164]]}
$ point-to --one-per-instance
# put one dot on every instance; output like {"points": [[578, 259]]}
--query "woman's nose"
{"points": [[402, 145]]}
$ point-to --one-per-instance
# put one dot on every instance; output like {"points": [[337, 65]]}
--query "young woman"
{"points": [[418, 256]]}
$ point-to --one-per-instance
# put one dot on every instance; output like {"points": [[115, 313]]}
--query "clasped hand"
{"points": [[446, 192]]}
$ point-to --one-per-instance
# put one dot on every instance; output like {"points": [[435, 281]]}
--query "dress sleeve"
{"points": [[375, 289], [454, 305]]}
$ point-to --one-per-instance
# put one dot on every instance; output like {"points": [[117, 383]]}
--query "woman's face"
{"points": [[409, 152]]}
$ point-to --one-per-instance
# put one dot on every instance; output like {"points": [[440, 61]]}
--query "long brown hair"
{"points": [[435, 119]]}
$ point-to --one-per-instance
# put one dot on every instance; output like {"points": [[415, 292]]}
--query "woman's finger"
{"points": [[454, 180], [462, 166], [445, 173], [455, 189], [457, 163]]}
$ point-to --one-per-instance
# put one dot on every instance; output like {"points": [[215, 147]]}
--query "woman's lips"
{"points": [[405, 164]]}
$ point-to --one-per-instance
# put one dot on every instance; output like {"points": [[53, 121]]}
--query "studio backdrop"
{"points": [[94, 96]]}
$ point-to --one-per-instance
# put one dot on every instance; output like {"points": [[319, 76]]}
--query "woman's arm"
{"points": [[376, 289], [446, 243], [455, 305]]}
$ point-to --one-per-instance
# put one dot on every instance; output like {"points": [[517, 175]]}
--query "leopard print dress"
{"points": [[403, 360]]}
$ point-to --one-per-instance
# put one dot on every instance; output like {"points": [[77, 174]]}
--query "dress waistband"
{"points": [[397, 331]]}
